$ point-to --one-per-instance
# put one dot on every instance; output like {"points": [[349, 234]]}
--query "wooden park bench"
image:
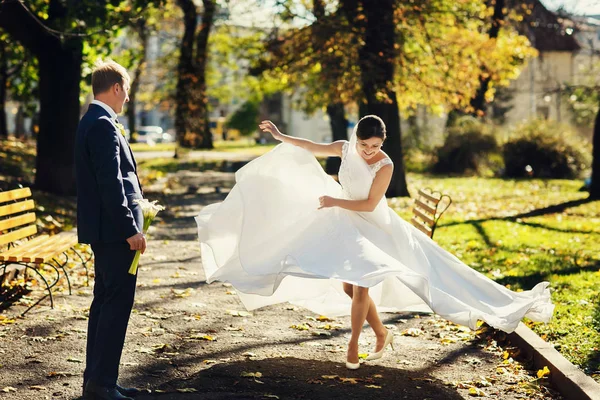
{"points": [[429, 207], [21, 245]]}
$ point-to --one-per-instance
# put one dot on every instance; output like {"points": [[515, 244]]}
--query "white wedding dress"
{"points": [[269, 240]]}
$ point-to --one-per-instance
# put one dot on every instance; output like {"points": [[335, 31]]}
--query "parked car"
{"points": [[151, 135]]}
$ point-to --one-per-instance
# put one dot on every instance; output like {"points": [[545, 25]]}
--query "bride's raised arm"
{"points": [[322, 149]]}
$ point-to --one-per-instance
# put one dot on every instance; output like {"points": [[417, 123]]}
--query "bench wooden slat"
{"points": [[16, 207], [16, 221], [425, 206], [417, 224], [18, 234], [54, 246], [429, 197], [426, 219], [15, 253], [15, 194]]}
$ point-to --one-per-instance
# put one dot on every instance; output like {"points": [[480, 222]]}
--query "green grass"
{"points": [[137, 147], [235, 146], [492, 226]]}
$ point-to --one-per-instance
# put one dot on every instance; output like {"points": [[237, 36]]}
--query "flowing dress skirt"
{"points": [[269, 240]]}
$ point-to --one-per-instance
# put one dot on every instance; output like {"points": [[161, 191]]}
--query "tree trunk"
{"points": [[60, 71], [339, 131], [185, 72], [191, 114], [595, 185], [377, 66], [135, 82], [60, 74], [478, 101], [3, 88], [204, 136], [20, 122]]}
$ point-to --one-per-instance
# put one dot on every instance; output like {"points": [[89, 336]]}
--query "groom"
{"points": [[108, 219]]}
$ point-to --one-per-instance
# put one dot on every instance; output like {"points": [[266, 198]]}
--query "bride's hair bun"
{"points": [[370, 126]]}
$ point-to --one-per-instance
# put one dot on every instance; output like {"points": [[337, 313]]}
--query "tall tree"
{"points": [[46, 29], [478, 102], [335, 110], [60, 70], [138, 62], [431, 52], [377, 61], [191, 114]]}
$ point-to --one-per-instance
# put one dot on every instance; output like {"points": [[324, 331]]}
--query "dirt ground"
{"points": [[190, 340]]}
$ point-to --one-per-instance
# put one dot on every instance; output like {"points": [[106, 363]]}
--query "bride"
{"points": [[288, 232]]}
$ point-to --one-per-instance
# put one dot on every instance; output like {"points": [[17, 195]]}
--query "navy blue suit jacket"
{"points": [[107, 182]]}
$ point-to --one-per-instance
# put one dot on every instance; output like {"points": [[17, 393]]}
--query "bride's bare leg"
{"points": [[372, 317], [358, 315]]}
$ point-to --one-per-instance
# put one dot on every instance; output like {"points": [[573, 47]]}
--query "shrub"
{"points": [[469, 147], [545, 149]]}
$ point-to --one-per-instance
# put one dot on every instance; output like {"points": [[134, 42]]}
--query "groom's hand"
{"points": [[137, 242]]}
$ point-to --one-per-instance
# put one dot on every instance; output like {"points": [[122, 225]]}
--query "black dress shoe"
{"points": [[131, 392], [95, 392]]}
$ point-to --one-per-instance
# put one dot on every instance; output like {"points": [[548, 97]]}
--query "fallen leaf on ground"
{"points": [[323, 318], [236, 313], [543, 372], [301, 327], [202, 337], [477, 392], [411, 332], [251, 374], [187, 390]]}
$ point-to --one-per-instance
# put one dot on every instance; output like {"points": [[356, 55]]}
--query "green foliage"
{"points": [[22, 73], [245, 119], [582, 102], [442, 47], [545, 149], [233, 49], [583, 99], [470, 147]]}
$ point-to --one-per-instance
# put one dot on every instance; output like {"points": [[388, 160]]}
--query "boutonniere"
{"points": [[121, 128]]}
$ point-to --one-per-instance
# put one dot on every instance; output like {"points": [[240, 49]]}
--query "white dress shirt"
{"points": [[110, 111]]}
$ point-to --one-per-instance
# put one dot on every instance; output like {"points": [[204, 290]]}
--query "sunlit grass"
{"points": [[485, 228], [247, 146]]}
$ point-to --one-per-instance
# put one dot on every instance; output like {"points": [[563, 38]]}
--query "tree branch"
{"points": [[20, 23]]}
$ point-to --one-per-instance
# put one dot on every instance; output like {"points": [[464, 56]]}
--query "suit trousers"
{"points": [[114, 291]]}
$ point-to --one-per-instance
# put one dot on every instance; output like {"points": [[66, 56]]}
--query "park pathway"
{"points": [[190, 340]]}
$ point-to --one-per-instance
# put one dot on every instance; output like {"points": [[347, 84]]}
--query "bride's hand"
{"points": [[268, 126], [326, 201]]}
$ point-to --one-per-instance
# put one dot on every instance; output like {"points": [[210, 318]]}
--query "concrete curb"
{"points": [[569, 380]]}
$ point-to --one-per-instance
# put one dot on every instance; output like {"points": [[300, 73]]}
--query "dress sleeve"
{"points": [[380, 164]]}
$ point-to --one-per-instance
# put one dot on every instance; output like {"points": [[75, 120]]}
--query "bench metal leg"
{"points": [[84, 263], [62, 266], [48, 286]]}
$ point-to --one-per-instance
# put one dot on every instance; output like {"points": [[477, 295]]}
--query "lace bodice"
{"points": [[350, 184]]}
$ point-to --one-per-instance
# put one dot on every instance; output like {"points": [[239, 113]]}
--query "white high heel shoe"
{"points": [[350, 365], [389, 339]]}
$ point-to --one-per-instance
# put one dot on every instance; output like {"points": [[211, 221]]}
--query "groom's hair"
{"points": [[106, 74]]}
